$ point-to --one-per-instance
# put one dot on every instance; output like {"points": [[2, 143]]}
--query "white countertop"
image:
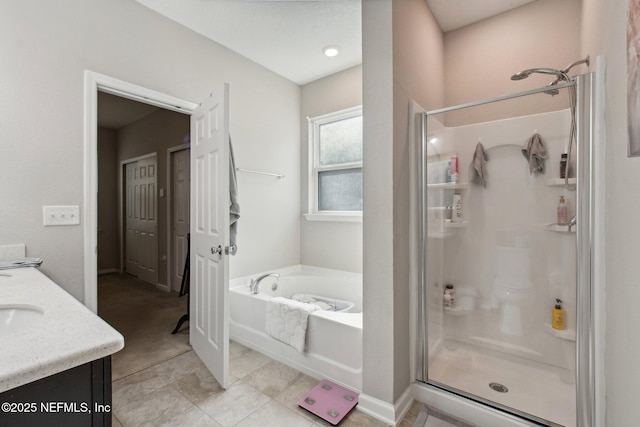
{"points": [[68, 335]]}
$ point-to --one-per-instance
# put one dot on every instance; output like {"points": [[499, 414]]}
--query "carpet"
{"points": [[430, 417]]}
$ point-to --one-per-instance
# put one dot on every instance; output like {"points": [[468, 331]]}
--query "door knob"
{"points": [[230, 250], [217, 250]]}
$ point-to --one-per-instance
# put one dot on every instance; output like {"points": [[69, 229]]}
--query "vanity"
{"points": [[55, 355]]}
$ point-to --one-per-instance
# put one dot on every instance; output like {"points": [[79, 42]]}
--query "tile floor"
{"points": [[159, 381]]}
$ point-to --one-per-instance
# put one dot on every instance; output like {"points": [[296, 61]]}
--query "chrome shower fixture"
{"points": [[561, 75], [526, 73]]}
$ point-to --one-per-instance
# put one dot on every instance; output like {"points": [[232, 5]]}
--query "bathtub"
{"points": [[334, 338]]}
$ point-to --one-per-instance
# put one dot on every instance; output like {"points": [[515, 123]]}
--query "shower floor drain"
{"points": [[498, 387]]}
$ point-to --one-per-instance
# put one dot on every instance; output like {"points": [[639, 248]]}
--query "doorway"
{"points": [[208, 123]]}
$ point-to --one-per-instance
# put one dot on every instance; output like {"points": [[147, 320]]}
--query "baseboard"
{"points": [[384, 411], [378, 409], [108, 271], [163, 287]]}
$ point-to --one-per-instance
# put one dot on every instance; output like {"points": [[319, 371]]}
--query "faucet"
{"points": [[254, 286], [572, 222]]}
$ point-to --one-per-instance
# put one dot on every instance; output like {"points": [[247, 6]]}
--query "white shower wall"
{"points": [[514, 207]]}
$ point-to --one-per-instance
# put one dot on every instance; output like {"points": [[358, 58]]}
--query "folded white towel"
{"points": [[287, 321], [21, 262]]}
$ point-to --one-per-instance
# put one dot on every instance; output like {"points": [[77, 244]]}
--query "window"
{"points": [[335, 165]]}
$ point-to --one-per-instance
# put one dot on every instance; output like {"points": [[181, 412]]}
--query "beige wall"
{"points": [[480, 58], [377, 76], [604, 33], [47, 46], [402, 60], [418, 75], [108, 229], [328, 244]]}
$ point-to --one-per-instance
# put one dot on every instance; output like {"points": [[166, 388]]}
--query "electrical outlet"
{"points": [[60, 215]]}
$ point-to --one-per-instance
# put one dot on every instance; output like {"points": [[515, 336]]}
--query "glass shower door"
{"points": [[499, 253]]}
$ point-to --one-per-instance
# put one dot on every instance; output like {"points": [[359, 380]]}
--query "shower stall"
{"points": [[504, 270]]}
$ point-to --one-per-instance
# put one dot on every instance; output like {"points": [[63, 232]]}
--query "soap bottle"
{"points": [[449, 297], [558, 316], [562, 211], [453, 165], [456, 215]]}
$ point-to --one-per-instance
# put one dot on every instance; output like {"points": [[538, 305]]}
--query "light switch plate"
{"points": [[60, 215]]}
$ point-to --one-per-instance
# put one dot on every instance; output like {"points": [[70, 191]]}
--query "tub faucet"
{"points": [[572, 222], [254, 286]]}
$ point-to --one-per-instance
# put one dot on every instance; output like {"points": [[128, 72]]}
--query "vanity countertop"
{"points": [[63, 334]]}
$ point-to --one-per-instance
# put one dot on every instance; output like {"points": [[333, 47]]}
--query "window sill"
{"points": [[339, 216]]}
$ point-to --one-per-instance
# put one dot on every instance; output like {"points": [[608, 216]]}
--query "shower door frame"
{"points": [[585, 252]]}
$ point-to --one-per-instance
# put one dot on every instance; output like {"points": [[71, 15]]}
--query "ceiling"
{"points": [[453, 14], [115, 112], [287, 36], [291, 35]]}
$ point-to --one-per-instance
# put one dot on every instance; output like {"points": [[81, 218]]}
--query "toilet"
{"points": [[512, 287]]}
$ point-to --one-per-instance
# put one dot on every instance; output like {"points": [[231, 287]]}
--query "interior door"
{"points": [[131, 221], [180, 215], [148, 220], [209, 288], [141, 207]]}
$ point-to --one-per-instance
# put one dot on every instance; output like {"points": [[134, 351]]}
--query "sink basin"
{"points": [[18, 317]]}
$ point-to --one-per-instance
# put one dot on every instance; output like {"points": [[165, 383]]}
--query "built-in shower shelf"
{"points": [[449, 186], [559, 228], [559, 181], [463, 224], [446, 230], [565, 334]]}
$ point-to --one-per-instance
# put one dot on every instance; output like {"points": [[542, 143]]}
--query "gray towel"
{"points": [[478, 167], [234, 207], [535, 152]]}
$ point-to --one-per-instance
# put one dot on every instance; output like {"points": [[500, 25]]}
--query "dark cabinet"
{"points": [[80, 396]]}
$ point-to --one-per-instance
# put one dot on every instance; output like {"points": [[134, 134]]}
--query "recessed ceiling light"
{"points": [[331, 50]]}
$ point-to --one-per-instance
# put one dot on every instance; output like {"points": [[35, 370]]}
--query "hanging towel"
{"points": [[287, 321], [535, 152], [234, 207], [478, 167]]}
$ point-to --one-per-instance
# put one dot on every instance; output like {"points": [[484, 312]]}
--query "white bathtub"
{"points": [[334, 339]]}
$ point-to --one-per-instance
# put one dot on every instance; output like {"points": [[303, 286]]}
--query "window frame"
{"points": [[314, 167]]}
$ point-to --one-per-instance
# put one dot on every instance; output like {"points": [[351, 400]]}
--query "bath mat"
{"points": [[329, 401], [430, 417]]}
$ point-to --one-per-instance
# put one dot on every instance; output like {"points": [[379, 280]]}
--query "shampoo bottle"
{"points": [[558, 316], [562, 211]]}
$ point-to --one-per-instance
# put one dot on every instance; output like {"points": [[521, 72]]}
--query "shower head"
{"points": [[561, 75]]}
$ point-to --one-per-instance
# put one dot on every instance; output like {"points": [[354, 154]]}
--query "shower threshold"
{"points": [[532, 387]]}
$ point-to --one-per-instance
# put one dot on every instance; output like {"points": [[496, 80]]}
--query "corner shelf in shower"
{"points": [[558, 228], [565, 334], [447, 230], [449, 186], [555, 182]]}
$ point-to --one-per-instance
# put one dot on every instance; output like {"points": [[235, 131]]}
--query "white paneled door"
{"points": [[209, 288], [142, 219], [180, 214]]}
